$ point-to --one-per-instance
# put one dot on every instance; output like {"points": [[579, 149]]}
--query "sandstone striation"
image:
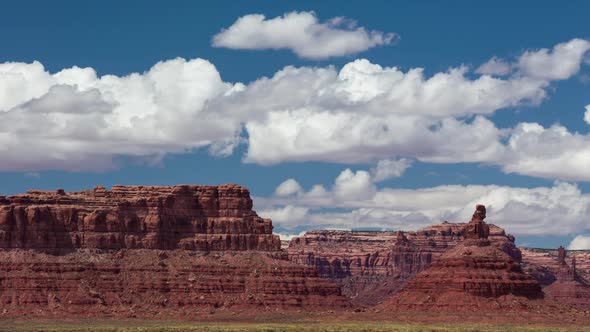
{"points": [[142, 283], [474, 272], [569, 287], [209, 218], [136, 251], [373, 265], [544, 264]]}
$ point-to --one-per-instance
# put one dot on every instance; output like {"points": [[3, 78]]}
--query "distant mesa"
{"points": [[569, 287], [202, 218], [473, 272], [142, 251], [373, 266]]}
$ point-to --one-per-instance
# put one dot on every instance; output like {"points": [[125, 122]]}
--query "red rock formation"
{"points": [[569, 287], [373, 265], [474, 272], [136, 251], [544, 264], [180, 217], [142, 282]]}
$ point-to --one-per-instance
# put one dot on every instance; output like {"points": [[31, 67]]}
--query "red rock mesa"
{"points": [[373, 265], [474, 272], [569, 287], [147, 251]]}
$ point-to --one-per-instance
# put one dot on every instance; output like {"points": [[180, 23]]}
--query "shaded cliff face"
{"points": [[544, 263], [474, 273], [373, 265], [139, 250], [341, 254], [569, 287], [187, 217], [465, 275], [142, 283]]}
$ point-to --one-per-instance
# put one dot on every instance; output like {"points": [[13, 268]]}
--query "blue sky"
{"points": [[537, 188]]}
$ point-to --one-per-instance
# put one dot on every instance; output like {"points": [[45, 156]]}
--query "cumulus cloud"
{"points": [[302, 33], [494, 66], [362, 113], [285, 214], [365, 112], [389, 169], [289, 187], [559, 63], [552, 152], [561, 209], [580, 242], [74, 120]]}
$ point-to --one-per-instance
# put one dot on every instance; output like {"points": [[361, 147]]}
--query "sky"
{"points": [[376, 115]]}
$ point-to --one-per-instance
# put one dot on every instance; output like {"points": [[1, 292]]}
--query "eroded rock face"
{"points": [[139, 250], [143, 282], [569, 287], [205, 218], [372, 265], [544, 264], [474, 271]]}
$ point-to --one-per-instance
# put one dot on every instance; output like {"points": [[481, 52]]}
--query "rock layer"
{"points": [[207, 218], [569, 287], [544, 263], [139, 250], [475, 271], [373, 265], [141, 282]]}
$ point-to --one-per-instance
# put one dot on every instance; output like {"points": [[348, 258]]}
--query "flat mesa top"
{"points": [[138, 191]]}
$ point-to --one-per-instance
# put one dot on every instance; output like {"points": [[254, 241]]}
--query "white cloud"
{"points": [[389, 169], [362, 113], [74, 120], [561, 209], [288, 187], [352, 186], [302, 33], [560, 63], [285, 214], [494, 66], [552, 152], [580, 242]]}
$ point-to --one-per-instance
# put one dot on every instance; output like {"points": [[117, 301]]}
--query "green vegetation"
{"points": [[97, 326]]}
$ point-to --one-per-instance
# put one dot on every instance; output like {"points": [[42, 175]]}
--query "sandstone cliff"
{"points": [[181, 217], [140, 251], [569, 287], [474, 273], [373, 265], [143, 283]]}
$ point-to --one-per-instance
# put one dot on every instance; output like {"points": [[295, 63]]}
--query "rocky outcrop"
{"points": [[473, 272], [569, 287], [372, 265], [205, 218], [142, 283], [141, 250], [544, 264]]}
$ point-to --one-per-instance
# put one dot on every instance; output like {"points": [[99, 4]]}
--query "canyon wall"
{"points": [[210, 218], [145, 283], [143, 251], [372, 265], [475, 273]]}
